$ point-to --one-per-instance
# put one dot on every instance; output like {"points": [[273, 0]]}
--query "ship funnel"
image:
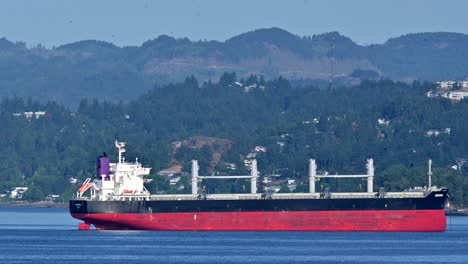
{"points": [[103, 167]]}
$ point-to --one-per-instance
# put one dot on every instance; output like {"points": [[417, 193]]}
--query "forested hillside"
{"points": [[389, 121], [97, 69]]}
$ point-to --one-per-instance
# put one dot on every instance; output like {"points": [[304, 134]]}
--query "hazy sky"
{"points": [[55, 22]]}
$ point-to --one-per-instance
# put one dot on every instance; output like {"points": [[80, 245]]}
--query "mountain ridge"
{"points": [[94, 68]]}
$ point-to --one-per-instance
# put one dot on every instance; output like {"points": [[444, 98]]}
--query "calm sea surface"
{"points": [[45, 235]]}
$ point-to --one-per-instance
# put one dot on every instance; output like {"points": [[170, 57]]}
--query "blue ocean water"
{"points": [[50, 235]]}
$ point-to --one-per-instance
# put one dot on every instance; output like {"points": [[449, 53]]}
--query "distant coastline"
{"points": [[41, 204], [457, 212]]}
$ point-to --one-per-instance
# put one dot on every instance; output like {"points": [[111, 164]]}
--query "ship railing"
{"points": [[334, 195], [135, 197], [295, 196], [374, 195], [279, 196], [405, 194], [85, 198], [162, 197], [234, 196], [207, 197]]}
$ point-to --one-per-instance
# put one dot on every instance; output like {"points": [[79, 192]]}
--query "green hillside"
{"points": [[339, 128]]}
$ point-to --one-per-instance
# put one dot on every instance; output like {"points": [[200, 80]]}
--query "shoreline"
{"points": [[41, 204], [457, 212]]}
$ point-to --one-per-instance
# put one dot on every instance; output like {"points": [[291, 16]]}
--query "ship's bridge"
{"points": [[117, 180]]}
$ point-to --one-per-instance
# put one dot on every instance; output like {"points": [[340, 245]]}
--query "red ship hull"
{"points": [[356, 220]]}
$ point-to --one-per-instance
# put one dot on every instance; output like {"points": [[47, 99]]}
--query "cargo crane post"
{"points": [[194, 175], [369, 175], [253, 177], [429, 173], [312, 175]]}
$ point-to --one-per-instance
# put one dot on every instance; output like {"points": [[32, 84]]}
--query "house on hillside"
{"points": [[231, 166], [446, 85], [432, 133], [39, 114], [460, 162], [52, 197], [456, 95], [383, 122], [251, 155], [18, 192], [435, 132], [259, 149], [453, 90], [171, 171], [174, 180], [29, 115]]}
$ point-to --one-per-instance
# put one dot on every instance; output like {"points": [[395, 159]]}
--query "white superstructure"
{"points": [[124, 180]]}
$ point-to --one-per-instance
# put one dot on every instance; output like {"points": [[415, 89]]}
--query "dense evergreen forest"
{"points": [[392, 122]]}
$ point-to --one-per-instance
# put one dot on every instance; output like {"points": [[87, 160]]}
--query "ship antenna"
{"points": [[429, 172], [121, 147]]}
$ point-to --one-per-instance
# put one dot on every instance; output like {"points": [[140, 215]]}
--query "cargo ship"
{"points": [[118, 200]]}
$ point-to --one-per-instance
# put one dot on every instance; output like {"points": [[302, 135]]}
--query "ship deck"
{"points": [[276, 196]]}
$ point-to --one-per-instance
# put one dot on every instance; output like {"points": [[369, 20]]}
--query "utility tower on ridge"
{"points": [[331, 55]]}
